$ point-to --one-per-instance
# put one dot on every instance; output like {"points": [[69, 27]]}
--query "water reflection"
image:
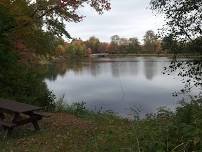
{"points": [[94, 69], [150, 69], [115, 69], [115, 83]]}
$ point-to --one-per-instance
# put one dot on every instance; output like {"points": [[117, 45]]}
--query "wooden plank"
{"points": [[2, 116], [42, 114], [26, 121], [7, 124], [36, 125], [13, 106], [32, 120]]}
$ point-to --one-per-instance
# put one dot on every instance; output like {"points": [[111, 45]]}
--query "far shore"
{"points": [[156, 55], [60, 59]]}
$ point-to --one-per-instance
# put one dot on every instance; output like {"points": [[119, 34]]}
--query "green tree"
{"points": [[183, 18], [77, 48], [150, 40], [169, 44], [115, 39], [6, 23], [183, 24], [134, 45]]}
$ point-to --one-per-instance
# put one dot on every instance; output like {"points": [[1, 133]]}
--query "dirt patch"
{"points": [[60, 120]]}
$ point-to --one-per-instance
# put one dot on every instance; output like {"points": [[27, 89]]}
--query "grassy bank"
{"points": [[75, 129]]}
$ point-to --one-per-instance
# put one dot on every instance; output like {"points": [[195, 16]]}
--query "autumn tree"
{"points": [[34, 26], [113, 48], [32, 17], [76, 48], [60, 50], [93, 43], [103, 47]]}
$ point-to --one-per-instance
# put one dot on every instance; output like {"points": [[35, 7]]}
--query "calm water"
{"points": [[116, 84]]}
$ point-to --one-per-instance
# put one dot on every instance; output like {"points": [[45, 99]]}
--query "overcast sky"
{"points": [[127, 18]]}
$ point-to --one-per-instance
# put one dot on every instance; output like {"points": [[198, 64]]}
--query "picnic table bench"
{"points": [[17, 109]]}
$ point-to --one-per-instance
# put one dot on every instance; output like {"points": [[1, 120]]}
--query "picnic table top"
{"points": [[17, 107]]}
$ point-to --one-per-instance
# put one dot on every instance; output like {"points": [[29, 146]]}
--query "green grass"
{"points": [[164, 131]]}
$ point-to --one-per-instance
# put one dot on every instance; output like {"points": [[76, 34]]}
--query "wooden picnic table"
{"points": [[17, 109]]}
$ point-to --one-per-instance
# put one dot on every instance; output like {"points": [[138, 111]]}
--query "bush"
{"points": [[76, 108], [22, 84], [172, 131]]}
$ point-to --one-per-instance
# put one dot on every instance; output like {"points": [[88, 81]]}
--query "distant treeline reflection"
{"points": [[147, 67]]}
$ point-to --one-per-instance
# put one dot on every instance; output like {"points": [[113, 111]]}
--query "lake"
{"points": [[116, 84]]}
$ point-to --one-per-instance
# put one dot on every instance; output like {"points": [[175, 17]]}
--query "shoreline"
{"points": [[156, 55], [62, 59]]}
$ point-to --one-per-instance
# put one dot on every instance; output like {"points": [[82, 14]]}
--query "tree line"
{"points": [[79, 48], [152, 44]]}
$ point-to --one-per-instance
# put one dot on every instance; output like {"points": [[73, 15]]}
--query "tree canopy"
{"points": [[29, 28], [150, 41], [183, 32], [33, 20], [183, 18]]}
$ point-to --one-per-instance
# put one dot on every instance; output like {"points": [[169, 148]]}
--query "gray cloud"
{"points": [[127, 18]]}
